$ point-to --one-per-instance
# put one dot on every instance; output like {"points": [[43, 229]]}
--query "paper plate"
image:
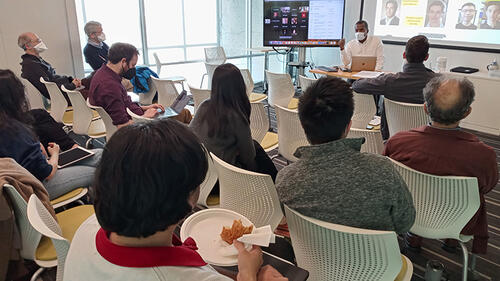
{"points": [[205, 228]]}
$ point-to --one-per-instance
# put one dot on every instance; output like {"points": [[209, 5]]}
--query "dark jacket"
{"points": [[96, 56]]}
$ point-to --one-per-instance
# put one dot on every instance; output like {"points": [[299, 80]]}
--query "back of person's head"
{"points": [[91, 27], [417, 49], [13, 102], [146, 175], [448, 99], [228, 95], [325, 110], [119, 51]]}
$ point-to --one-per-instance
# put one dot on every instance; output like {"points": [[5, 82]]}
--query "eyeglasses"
{"points": [[468, 11]]}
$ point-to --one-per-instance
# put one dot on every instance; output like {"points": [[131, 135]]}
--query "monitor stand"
{"points": [[300, 65]]}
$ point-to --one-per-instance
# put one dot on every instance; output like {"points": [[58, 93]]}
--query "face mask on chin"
{"points": [[129, 74], [360, 36], [40, 47]]}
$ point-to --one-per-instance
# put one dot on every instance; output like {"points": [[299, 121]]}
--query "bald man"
{"points": [[33, 66], [442, 148]]}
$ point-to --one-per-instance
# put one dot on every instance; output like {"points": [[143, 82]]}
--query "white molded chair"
{"points": [[248, 193], [176, 79], [210, 73], [35, 98], [208, 183], [215, 55], [281, 89], [364, 110], [58, 104], [199, 96], [305, 82], [259, 125], [83, 117], [138, 118], [373, 140], [253, 97], [444, 205], [147, 98], [403, 116], [336, 252], [167, 92], [291, 135], [108, 122]]}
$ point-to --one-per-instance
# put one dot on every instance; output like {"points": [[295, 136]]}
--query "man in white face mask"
{"points": [[96, 51], [33, 66], [363, 45]]}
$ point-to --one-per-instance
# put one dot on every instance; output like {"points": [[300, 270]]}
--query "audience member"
{"points": [[96, 51], [363, 45], [332, 181], [107, 91], [442, 148], [405, 86], [34, 66], [17, 141], [161, 165], [492, 12], [223, 123]]}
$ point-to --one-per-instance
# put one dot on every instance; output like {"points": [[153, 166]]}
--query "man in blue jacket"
{"points": [[96, 51]]}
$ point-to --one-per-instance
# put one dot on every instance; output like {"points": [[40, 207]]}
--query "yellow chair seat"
{"points": [[68, 117], [213, 200], [67, 196], [404, 268], [69, 221], [256, 97], [293, 104], [270, 140], [95, 115], [97, 129]]}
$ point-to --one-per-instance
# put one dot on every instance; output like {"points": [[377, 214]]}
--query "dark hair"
{"points": [[13, 102], [437, 3], [394, 2], [118, 51], [325, 109], [417, 49], [468, 4], [456, 112], [145, 177], [362, 22], [227, 99], [491, 3]]}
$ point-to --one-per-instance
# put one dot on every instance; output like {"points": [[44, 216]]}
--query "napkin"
{"points": [[261, 236]]}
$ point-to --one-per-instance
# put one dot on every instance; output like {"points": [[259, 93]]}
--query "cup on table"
{"points": [[441, 63]]}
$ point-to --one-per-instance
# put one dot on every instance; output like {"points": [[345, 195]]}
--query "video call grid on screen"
{"points": [[303, 23], [469, 21]]}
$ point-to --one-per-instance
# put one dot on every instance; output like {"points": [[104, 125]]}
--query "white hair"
{"points": [[91, 27]]}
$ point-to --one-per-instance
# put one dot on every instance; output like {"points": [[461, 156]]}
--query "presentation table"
{"points": [[340, 74]]}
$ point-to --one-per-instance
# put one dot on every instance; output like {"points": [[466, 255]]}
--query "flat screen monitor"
{"points": [[313, 23]]}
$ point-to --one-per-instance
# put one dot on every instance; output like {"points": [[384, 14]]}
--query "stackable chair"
{"points": [[210, 73], [248, 193], [108, 122], [167, 92], [176, 79], [147, 98], [281, 90], [364, 110], [444, 205], [253, 97], [199, 96], [208, 183], [138, 118], [259, 125], [59, 109], [336, 252], [373, 140], [35, 98], [403, 116], [305, 82], [215, 55], [291, 135]]}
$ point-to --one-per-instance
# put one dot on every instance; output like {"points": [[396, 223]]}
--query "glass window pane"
{"points": [[164, 22], [201, 21], [167, 55], [197, 53], [191, 71]]}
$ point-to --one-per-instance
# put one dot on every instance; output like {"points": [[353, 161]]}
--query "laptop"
{"points": [[360, 63], [177, 106]]}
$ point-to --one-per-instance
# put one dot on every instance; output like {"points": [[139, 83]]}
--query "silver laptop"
{"points": [[360, 63]]}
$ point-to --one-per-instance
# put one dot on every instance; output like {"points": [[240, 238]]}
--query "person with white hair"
{"points": [[96, 51]]}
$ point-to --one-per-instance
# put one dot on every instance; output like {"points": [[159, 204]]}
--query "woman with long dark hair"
{"points": [[223, 123], [19, 141]]}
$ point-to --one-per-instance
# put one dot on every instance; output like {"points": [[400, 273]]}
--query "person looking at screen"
{"points": [[363, 45], [492, 16], [391, 6], [435, 13], [467, 15]]}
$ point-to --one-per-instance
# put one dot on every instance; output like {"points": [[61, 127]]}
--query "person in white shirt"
{"points": [[363, 45], [148, 181], [391, 6]]}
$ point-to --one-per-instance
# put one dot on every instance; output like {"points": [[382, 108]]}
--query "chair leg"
{"points": [[37, 274], [88, 142], [269, 117], [202, 78], [466, 261], [472, 268]]}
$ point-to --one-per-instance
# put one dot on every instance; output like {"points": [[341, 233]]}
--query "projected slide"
{"points": [[473, 21]]}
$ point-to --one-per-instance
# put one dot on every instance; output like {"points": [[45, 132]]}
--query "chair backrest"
{"points": [[373, 140], [167, 93], [336, 252], [364, 110], [215, 55], [138, 118], [58, 103], [30, 238], [291, 135], [82, 114], [259, 123], [44, 223], [199, 96], [210, 72], [108, 122], [147, 98], [305, 82], [158, 63], [34, 96], [404, 116], [281, 88], [444, 204], [247, 77], [248, 193], [209, 182]]}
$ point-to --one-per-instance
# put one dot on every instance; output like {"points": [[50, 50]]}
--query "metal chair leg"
{"points": [[88, 142], [473, 275], [466, 261], [202, 78], [37, 273]]}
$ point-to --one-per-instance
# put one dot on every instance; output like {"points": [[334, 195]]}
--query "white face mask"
{"points": [[360, 36], [101, 37], [40, 47]]}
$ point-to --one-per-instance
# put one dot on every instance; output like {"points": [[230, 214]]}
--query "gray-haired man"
{"points": [[96, 51]]}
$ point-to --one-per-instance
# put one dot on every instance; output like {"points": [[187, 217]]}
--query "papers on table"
{"points": [[367, 74]]}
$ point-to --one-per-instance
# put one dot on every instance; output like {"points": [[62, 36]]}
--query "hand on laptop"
{"points": [[151, 113], [154, 106]]}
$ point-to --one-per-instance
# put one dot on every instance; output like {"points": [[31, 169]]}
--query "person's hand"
{"points": [[158, 106], [77, 82], [150, 113], [53, 148], [269, 273], [342, 44], [44, 152], [249, 262]]}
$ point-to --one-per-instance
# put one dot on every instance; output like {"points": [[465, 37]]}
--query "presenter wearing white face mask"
{"points": [[363, 45], [96, 51], [33, 66]]}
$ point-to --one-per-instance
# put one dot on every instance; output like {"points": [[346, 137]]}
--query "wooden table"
{"points": [[340, 74]]}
